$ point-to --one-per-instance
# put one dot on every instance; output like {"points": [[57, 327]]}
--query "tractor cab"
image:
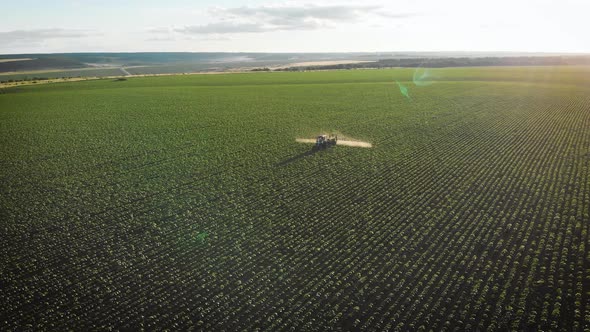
{"points": [[324, 141], [321, 140]]}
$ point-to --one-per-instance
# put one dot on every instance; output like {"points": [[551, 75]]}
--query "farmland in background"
{"points": [[90, 72], [184, 201], [35, 66], [168, 62]]}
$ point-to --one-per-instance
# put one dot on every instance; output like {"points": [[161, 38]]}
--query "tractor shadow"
{"points": [[298, 157]]}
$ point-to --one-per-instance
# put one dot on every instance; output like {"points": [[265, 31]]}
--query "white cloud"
{"points": [[40, 35], [283, 18], [222, 27]]}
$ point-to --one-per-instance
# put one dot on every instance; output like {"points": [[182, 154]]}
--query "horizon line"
{"points": [[299, 52]]}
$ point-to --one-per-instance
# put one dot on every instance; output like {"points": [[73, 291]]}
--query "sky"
{"points": [[41, 26]]}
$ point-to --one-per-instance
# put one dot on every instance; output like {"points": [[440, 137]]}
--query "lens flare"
{"points": [[423, 76], [403, 89]]}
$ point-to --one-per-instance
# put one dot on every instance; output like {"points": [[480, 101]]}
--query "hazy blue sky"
{"points": [[36, 26]]}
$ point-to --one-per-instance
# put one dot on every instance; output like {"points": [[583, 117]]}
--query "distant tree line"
{"points": [[34, 79], [261, 69], [25, 79]]}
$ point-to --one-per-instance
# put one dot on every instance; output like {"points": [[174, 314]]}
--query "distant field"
{"points": [[162, 62], [14, 66], [13, 60], [166, 69], [180, 202], [323, 63]]}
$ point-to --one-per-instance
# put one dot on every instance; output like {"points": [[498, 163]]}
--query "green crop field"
{"points": [[184, 202]]}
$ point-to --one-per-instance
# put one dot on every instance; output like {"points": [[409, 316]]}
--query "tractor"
{"points": [[325, 141]]}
